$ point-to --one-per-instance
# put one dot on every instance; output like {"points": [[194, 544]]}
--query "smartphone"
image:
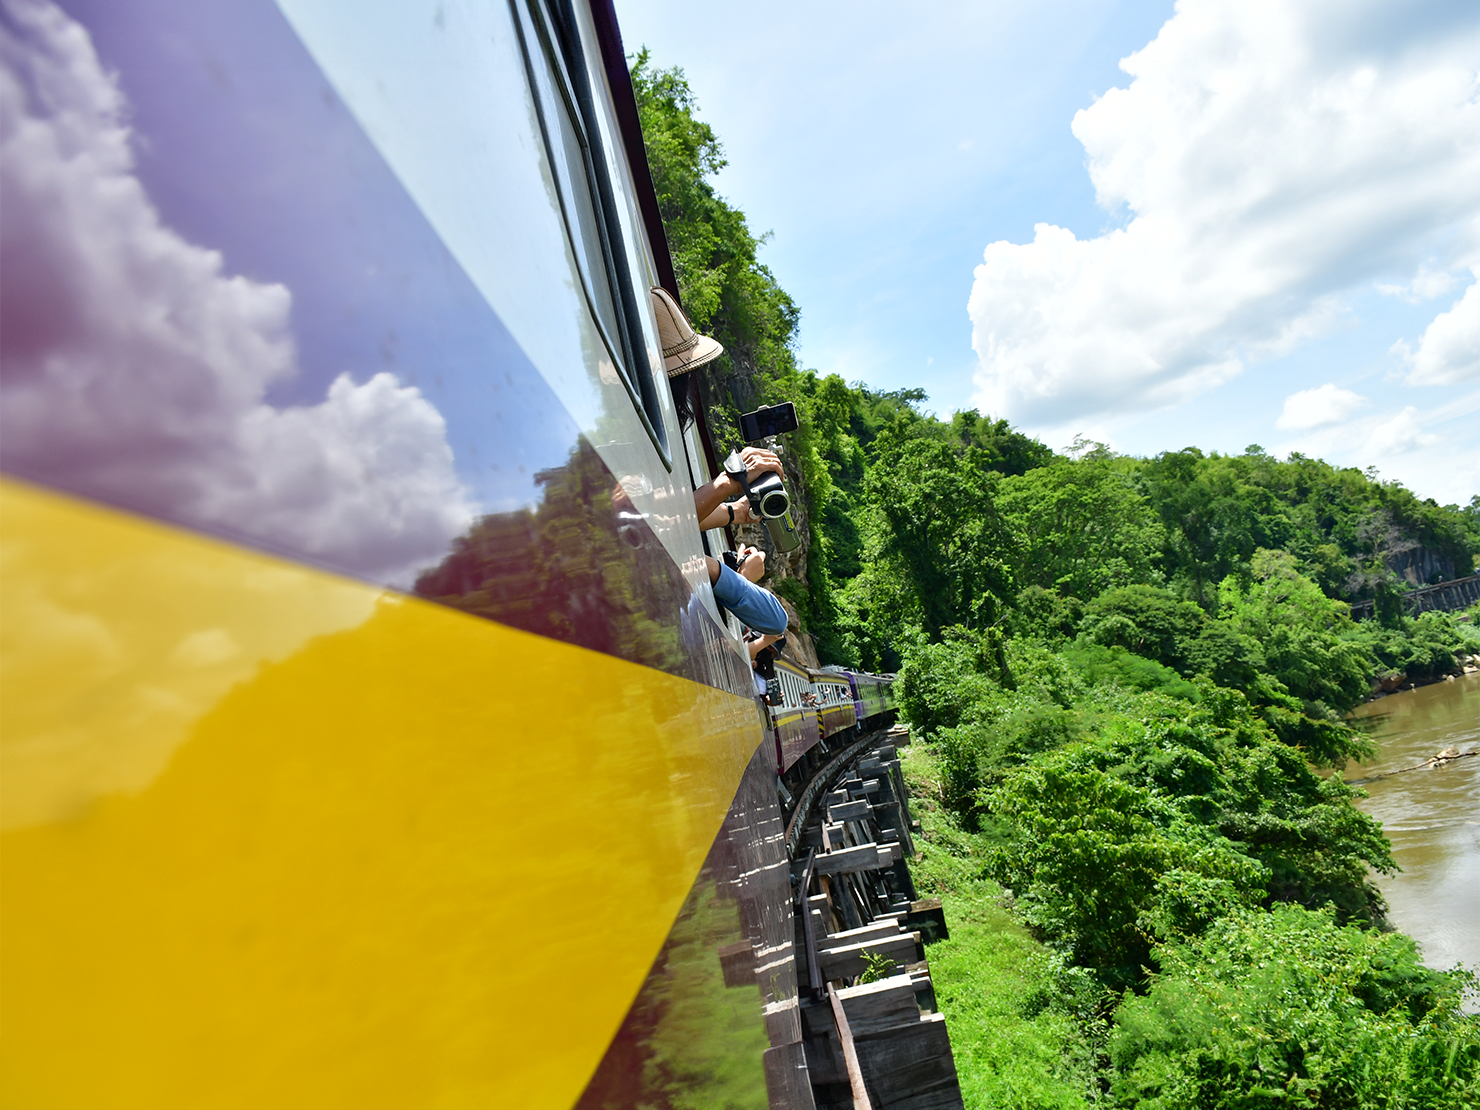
{"points": [[768, 420]]}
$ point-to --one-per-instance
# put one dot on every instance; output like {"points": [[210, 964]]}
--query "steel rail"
{"points": [[816, 785]]}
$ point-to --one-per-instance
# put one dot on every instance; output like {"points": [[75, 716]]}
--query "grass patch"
{"points": [[1007, 1000]]}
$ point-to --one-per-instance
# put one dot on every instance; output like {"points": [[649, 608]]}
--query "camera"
{"points": [[732, 560], [769, 497], [770, 501], [768, 420], [783, 533]]}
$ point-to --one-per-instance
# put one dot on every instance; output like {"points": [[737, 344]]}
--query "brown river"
{"points": [[1432, 816]]}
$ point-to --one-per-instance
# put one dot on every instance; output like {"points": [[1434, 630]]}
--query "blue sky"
{"points": [[1262, 230]]}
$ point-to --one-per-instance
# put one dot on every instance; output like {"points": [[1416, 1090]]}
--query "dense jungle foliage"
{"points": [[1129, 676]]}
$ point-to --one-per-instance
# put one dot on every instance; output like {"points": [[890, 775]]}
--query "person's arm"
{"points": [[754, 606], [721, 516], [709, 496], [760, 643]]}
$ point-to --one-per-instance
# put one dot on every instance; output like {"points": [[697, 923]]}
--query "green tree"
{"points": [[1300, 631], [1213, 520], [1079, 526], [940, 536], [1007, 451], [1147, 620]]}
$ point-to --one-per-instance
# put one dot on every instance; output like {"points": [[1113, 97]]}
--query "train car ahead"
{"points": [[371, 736], [872, 693], [795, 723], [835, 703]]}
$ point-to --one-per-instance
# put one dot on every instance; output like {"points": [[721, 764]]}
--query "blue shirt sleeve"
{"points": [[754, 606]]}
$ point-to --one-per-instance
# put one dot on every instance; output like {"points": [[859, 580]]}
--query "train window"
{"points": [[556, 61]]}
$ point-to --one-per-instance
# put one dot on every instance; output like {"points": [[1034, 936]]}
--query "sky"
{"points": [[1216, 223]]}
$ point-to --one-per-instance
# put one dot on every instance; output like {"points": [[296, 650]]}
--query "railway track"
{"points": [[871, 1031]]}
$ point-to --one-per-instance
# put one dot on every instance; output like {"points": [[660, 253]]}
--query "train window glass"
{"points": [[558, 73], [570, 155], [623, 203]]}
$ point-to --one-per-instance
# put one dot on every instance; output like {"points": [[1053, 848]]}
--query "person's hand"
{"points": [[757, 461], [719, 518], [760, 643], [751, 563]]}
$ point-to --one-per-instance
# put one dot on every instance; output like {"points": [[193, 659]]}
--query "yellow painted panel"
{"points": [[276, 838]]}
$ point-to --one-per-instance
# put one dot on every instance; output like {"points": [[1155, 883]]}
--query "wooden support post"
{"points": [[814, 972], [850, 1054]]}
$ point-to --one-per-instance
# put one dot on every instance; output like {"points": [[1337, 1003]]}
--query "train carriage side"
{"points": [[872, 696], [887, 700], [334, 435], [796, 723], [835, 702], [853, 687]]}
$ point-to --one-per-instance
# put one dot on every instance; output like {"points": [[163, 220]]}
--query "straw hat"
{"points": [[683, 348]]}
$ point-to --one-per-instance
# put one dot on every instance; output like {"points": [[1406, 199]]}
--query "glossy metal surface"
{"points": [[292, 283], [872, 695], [271, 830], [329, 312], [835, 704], [719, 1008], [796, 731]]}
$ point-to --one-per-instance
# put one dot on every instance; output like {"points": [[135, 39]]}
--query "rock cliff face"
{"points": [[1417, 565], [724, 398], [1403, 553]]}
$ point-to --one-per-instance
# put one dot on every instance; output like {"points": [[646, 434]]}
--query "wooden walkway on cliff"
{"points": [[1445, 597]]}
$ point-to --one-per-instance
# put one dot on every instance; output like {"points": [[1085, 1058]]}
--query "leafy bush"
{"points": [[942, 684], [1421, 648], [1286, 1008], [1098, 663], [1298, 627], [1043, 615], [877, 966], [1147, 620], [1087, 856], [1166, 813]]}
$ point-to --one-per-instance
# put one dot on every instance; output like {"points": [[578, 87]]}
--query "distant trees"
{"points": [[1128, 669]]}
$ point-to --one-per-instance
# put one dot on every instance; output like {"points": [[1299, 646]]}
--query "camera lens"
{"points": [[771, 495], [775, 503]]}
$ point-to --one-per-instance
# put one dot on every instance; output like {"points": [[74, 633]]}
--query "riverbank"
{"points": [[1386, 685], [1130, 871], [1431, 816]]}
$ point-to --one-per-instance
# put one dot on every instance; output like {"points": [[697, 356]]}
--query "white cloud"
{"points": [[1399, 434], [136, 368], [1271, 155], [1314, 408], [1425, 286], [1431, 450], [1449, 352]]}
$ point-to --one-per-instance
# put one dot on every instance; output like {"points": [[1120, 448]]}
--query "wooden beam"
{"points": [[850, 1054], [876, 1007]]}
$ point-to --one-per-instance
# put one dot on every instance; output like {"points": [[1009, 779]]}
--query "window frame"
{"points": [[557, 36]]}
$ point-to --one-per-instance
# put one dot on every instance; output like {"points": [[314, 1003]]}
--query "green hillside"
{"points": [[1128, 677]]}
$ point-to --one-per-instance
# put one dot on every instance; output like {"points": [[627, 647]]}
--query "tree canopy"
{"points": [[1133, 672]]}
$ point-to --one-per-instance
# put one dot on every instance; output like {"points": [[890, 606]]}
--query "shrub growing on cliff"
{"points": [[1286, 1008], [1165, 814]]}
